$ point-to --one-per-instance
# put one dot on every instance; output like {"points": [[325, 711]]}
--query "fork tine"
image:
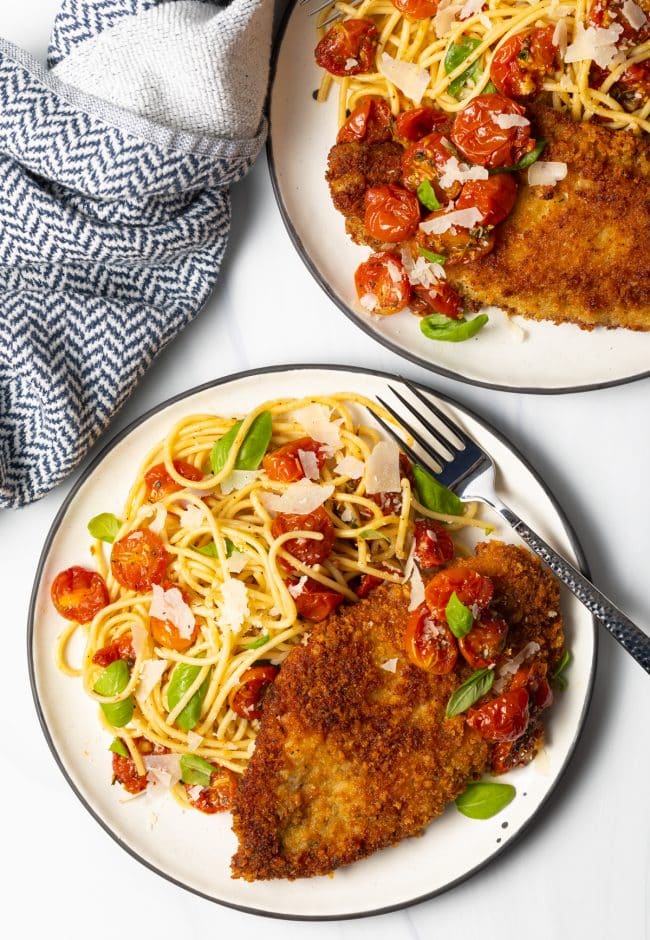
{"points": [[439, 438], [337, 14], [426, 446], [440, 415], [410, 453]]}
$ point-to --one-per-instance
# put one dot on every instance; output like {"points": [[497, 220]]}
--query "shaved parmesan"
{"points": [[457, 218], [296, 589], [170, 606], [194, 740], [302, 498], [390, 665], [151, 673], [455, 172], [546, 173], [510, 667], [594, 43], [560, 36], [369, 302], [309, 463], [420, 271], [235, 604], [163, 770], [406, 76], [634, 14], [317, 422], [238, 479], [237, 562], [350, 467], [195, 791], [417, 589], [158, 516], [138, 638], [347, 515], [394, 272], [192, 517], [445, 16], [469, 8], [505, 122], [382, 469]]}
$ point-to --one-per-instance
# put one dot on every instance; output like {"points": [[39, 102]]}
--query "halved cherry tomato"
{"points": [[165, 633], [459, 245], [522, 63], [503, 719], [348, 48], [125, 771], [416, 123], [391, 503], [120, 649], [383, 278], [478, 136], [417, 9], [433, 544], [391, 214], [510, 754], [315, 601], [284, 463], [430, 644], [78, 594], [632, 89], [367, 584], [308, 551], [159, 483], [219, 796], [493, 197], [440, 297], [426, 160], [370, 122], [471, 588], [139, 560], [533, 679], [247, 699], [482, 645]]}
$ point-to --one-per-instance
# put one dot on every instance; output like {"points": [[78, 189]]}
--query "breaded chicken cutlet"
{"points": [[352, 757]]}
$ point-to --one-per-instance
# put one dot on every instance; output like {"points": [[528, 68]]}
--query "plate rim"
{"points": [[344, 308], [59, 518]]}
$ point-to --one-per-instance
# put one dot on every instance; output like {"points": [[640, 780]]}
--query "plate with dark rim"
{"points": [[193, 850], [513, 354]]}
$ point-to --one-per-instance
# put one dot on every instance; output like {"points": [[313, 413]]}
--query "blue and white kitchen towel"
{"points": [[115, 165]]}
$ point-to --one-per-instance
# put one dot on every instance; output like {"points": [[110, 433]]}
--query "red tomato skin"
{"points": [[139, 560], [430, 644], [471, 589], [283, 465], [308, 551], [392, 214], [219, 796], [482, 141], [605, 13], [533, 679], [367, 585], [165, 633], [79, 594], [120, 649], [442, 298], [353, 39], [503, 719], [373, 277], [125, 772], [247, 699], [458, 245], [519, 67], [417, 9], [159, 483], [482, 645], [416, 123], [316, 602], [494, 197], [370, 122], [425, 160], [433, 544]]}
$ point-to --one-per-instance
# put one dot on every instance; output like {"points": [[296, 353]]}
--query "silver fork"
{"points": [[465, 468], [320, 5]]}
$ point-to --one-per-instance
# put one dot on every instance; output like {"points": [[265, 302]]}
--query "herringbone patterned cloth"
{"points": [[115, 166]]}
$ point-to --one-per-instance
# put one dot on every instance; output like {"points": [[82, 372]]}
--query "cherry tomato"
{"points": [[369, 122], [425, 160], [471, 588], [391, 503], [459, 245], [247, 699], [120, 649], [160, 484], [632, 89], [430, 644], [219, 796], [165, 633], [417, 9], [494, 197], [383, 278], [139, 560], [308, 551], [348, 48], [416, 123], [78, 594], [284, 463], [533, 679], [605, 13], [478, 136], [125, 771], [391, 214], [510, 754], [367, 584], [433, 544], [315, 601], [520, 66], [482, 645], [503, 719], [440, 297]]}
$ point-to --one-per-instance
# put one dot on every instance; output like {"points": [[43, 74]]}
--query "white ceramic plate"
{"points": [[194, 850], [549, 359]]}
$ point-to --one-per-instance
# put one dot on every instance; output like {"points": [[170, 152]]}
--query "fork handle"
{"points": [[631, 638]]}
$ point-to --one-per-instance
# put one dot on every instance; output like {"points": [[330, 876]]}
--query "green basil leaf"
{"points": [[113, 680], [456, 54], [183, 676], [253, 446], [120, 713], [195, 770], [434, 495], [563, 665], [211, 549], [427, 196], [105, 526], [451, 331], [373, 534], [119, 747], [484, 800], [432, 256], [490, 89], [527, 160], [459, 617], [470, 691], [260, 641]]}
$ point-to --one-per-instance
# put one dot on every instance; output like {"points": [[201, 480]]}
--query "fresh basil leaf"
{"points": [[459, 617], [563, 665], [253, 446], [527, 160], [427, 196], [260, 641], [490, 89], [484, 800], [119, 747], [183, 676], [455, 56], [195, 770], [373, 534], [451, 331], [113, 680], [105, 526], [470, 691], [434, 495], [432, 256], [210, 549]]}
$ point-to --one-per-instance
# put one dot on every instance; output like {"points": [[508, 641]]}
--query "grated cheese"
{"points": [[457, 218], [382, 469], [406, 76], [296, 589], [546, 173], [309, 463], [169, 605], [301, 497], [350, 467], [235, 604], [594, 43]]}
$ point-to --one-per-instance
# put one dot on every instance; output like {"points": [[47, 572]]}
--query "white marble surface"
{"points": [[583, 869]]}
